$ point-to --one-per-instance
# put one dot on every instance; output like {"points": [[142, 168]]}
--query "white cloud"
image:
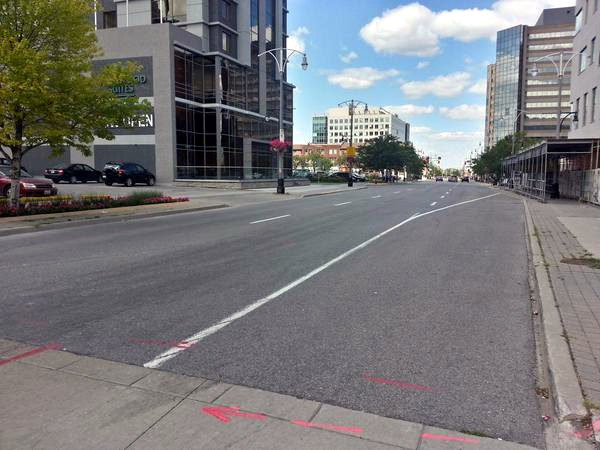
{"points": [[464, 112], [479, 87], [441, 86], [422, 64], [295, 40], [420, 130], [360, 77], [416, 30], [348, 57], [410, 110], [461, 136]]}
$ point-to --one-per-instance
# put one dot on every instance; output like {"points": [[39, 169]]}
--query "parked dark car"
{"points": [[301, 173], [355, 177], [127, 173], [30, 186], [464, 180], [439, 178], [73, 173], [453, 179]]}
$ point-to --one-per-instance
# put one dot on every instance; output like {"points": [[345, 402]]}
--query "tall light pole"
{"points": [[352, 104], [281, 56], [561, 68]]}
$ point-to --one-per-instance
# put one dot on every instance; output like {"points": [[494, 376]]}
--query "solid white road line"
{"points": [[340, 204], [433, 204], [272, 218], [376, 196], [174, 351]]}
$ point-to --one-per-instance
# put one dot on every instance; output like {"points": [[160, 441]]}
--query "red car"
{"points": [[30, 187]]}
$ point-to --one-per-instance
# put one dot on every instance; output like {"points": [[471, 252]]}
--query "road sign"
{"points": [[351, 152]]}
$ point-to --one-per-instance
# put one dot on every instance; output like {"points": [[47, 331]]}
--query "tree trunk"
{"points": [[15, 176], [15, 165]]}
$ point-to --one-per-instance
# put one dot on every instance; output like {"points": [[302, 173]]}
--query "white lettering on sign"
{"points": [[145, 121]]}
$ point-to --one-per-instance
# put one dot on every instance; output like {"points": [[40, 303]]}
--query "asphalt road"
{"points": [[428, 322]]}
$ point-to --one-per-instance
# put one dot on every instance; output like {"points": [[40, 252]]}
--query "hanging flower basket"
{"points": [[279, 146]]}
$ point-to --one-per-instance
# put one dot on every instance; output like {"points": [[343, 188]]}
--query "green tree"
{"points": [[300, 161], [49, 94], [326, 164], [387, 152], [341, 161], [490, 162]]}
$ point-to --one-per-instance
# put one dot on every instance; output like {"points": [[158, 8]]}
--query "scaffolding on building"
{"points": [[566, 168]]}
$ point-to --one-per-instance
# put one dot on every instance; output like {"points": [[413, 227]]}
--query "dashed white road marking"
{"points": [[174, 351], [433, 204], [269, 219], [376, 196], [344, 203], [443, 196], [397, 192]]}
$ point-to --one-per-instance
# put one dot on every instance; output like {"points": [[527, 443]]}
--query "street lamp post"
{"points": [[561, 68], [281, 56], [352, 104]]}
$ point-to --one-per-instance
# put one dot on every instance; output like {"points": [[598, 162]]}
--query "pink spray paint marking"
{"points": [[586, 434], [441, 437], [397, 383], [35, 351], [326, 426], [222, 413]]}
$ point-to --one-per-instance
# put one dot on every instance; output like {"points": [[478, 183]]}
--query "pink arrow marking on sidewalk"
{"points": [[441, 437], [397, 383], [222, 413], [35, 351], [326, 426]]}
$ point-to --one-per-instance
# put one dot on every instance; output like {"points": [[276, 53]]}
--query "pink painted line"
{"points": [[398, 383], [441, 437], [326, 426], [222, 413], [35, 351]]}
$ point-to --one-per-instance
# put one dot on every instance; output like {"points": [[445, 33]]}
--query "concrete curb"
{"points": [[109, 219], [566, 389]]}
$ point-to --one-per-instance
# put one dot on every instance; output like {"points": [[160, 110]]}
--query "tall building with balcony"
{"points": [[215, 101], [525, 99], [489, 105], [585, 77], [369, 123]]}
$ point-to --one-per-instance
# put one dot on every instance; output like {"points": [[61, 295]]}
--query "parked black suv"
{"points": [[73, 173], [126, 173]]}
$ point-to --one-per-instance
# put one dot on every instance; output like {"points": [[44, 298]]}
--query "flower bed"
{"points": [[58, 204]]}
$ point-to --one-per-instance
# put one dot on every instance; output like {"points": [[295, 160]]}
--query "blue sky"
{"points": [[420, 59]]}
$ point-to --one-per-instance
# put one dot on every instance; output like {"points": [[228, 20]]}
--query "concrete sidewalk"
{"points": [[562, 233], [55, 399]]}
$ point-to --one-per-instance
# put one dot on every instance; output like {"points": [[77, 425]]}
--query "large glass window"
{"points": [[593, 107], [583, 59], [578, 20]]}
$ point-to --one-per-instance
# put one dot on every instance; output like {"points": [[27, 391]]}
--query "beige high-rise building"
{"points": [[586, 70], [542, 48], [489, 105]]}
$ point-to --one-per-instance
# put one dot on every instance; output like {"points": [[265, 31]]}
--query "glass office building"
{"points": [[319, 130], [215, 102], [507, 96]]}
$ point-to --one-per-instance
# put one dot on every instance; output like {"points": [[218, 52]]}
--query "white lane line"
{"points": [[376, 196], [340, 204], [272, 218], [433, 204], [174, 351], [443, 196], [397, 192], [447, 193]]}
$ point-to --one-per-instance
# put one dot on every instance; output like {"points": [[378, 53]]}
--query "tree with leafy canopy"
{"points": [[490, 162], [49, 94], [387, 152], [300, 161]]}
